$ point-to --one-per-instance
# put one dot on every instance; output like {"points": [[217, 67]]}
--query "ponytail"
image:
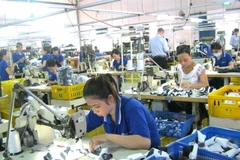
{"points": [[101, 87]]}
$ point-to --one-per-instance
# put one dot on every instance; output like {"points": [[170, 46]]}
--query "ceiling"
{"points": [[35, 20]]}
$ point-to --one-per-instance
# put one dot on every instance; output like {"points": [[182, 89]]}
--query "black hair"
{"points": [[19, 44], [47, 49], [101, 87], [115, 51], [160, 30], [236, 30], [183, 49], [216, 45], [52, 63], [166, 39], [55, 49], [2, 53]]}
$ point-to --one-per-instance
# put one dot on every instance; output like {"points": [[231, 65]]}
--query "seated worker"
{"points": [[5, 71], [127, 122], [193, 76], [57, 56], [46, 55], [19, 57], [97, 52], [221, 60], [52, 65], [117, 63]]}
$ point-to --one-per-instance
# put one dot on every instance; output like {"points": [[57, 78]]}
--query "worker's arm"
{"points": [[9, 70], [43, 65]]}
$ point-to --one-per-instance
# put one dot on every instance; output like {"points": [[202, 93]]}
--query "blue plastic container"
{"points": [[178, 128], [175, 151], [232, 135]]}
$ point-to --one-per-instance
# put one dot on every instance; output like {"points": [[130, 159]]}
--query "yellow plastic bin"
{"points": [[4, 102], [224, 106]]}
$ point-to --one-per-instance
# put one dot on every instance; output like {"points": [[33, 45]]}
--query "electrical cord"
{"points": [[93, 17]]}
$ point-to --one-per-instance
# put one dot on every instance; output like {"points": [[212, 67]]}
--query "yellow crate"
{"points": [[5, 115], [8, 85], [98, 131], [4, 103], [218, 106], [166, 140], [67, 92], [235, 81], [134, 74]]}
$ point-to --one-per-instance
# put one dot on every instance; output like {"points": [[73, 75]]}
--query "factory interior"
{"points": [[119, 79]]}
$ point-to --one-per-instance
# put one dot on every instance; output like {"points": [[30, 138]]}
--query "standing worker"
{"points": [[57, 55], [19, 57], [5, 71], [234, 41], [45, 56], [158, 46]]}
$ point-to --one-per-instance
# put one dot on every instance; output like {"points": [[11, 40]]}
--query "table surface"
{"points": [[147, 95], [208, 73], [117, 152]]}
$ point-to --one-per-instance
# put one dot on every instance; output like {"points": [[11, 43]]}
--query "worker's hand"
{"points": [[120, 67], [97, 140], [185, 85], [216, 67]]}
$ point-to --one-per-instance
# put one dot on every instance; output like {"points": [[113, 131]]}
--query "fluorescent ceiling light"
{"points": [[112, 11], [165, 17], [195, 20]]}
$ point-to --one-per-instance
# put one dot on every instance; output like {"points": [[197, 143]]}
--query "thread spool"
{"points": [[14, 143]]}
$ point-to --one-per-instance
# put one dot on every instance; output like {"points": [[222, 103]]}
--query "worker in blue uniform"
{"points": [[19, 57], [221, 60], [5, 71], [46, 55], [117, 63], [57, 55], [126, 121], [52, 65]]}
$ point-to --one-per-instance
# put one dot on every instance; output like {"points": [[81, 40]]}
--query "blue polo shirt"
{"points": [[16, 57], [224, 60], [59, 58], [116, 64], [52, 76], [3, 74], [132, 118], [44, 58]]}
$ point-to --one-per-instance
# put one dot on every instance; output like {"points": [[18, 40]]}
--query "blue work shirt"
{"points": [[132, 118], [52, 76], [158, 46], [45, 58], [16, 57], [116, 64], [3, 73], [224, 60], [59, 58]]}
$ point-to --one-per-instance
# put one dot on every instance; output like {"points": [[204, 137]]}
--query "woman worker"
{"points": [[234, 41], [221, 60], [5, 71], [126, 121], [45, 56], [193, 76], [52, 65], [117, 63]]}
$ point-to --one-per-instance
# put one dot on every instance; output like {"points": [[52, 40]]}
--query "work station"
{"points": [[119, 79]]}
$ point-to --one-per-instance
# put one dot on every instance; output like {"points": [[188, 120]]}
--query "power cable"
{"points": [[93, 17]]}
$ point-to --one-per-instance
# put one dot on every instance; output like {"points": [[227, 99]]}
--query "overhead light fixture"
{"points": [[165, 17], [195, 20]]}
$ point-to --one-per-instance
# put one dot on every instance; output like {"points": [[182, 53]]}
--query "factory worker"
{"points": [[5, 71], [235, 40], [57, 55], [52, 65], [117, 63], [126, 121], [193, 76], [222, 60], [19, 57], [45, 56]]}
